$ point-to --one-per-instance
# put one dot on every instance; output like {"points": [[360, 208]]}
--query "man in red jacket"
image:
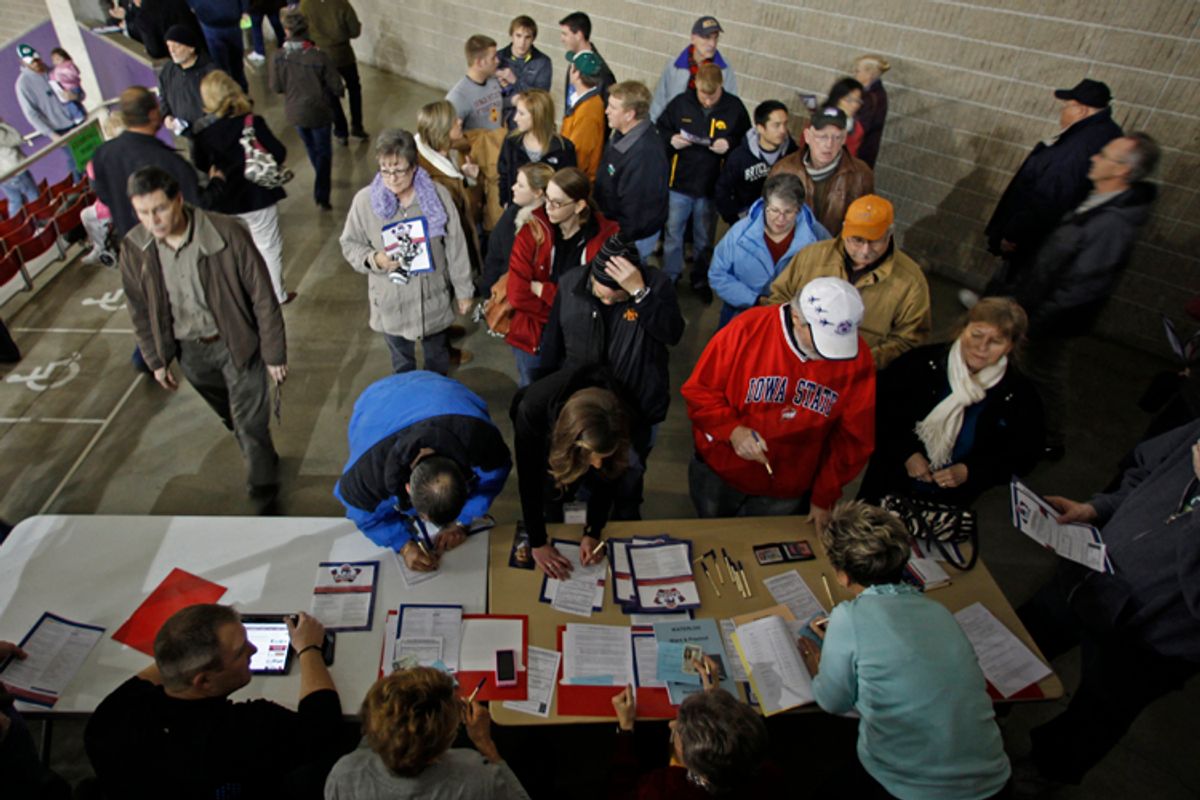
{"points": [[782, 403]]}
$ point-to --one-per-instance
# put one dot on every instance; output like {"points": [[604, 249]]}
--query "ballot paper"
{"points": [[645, 657], [543, 668], [583, 592], [433, 622], [1006, 662], [1074, 541], [598, 655], [663, 577], [769, 655], [736, 670], [425, 649], [344, 595], [790, 590], [55, 650], [387, 655]]}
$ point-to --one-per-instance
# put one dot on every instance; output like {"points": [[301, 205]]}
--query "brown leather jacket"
{"points": [[852, 180], [236, 285]]}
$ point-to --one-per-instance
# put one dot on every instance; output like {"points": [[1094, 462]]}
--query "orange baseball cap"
{"points": [[868, 217]]}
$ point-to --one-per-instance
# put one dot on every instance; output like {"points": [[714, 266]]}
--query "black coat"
{"points": [[534, 412], [695, 168], [1051, 182], [1008, 433], [743, 175], [149, 24], [219, 145], [560, 153], [872, 116], [179, 92], [635, 350], [1077, 266], [117, 159], [631, 183]]}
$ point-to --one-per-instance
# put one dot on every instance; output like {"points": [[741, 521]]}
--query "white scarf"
{"points": [[940, 428], [437, 160]]}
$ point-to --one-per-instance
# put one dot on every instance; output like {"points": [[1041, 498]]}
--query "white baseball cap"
{"points": [[833, 310]]}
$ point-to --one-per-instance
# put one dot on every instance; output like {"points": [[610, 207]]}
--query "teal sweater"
{"points": [[928, 729]]}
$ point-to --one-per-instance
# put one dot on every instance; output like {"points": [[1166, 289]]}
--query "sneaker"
{"points": [[360, 134], [967, 298], [257, 59]]}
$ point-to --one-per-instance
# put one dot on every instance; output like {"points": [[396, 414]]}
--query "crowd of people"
{"points": [[546, 221]]}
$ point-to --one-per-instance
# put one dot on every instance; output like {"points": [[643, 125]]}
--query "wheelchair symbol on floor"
{"points": [[39, 380], [109, 301]]}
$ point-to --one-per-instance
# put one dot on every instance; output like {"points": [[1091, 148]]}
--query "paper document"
{"points": [[56, 648], [736, 670], [790, 590], [543, 668], [1074, 541], [412, 578], [1006, 662], [434, 622], [483, 637], [770, 656], [387, 656], [645, 655], [344, 595], [597, 654], [663, 578], [584, 590], [425, 649]]}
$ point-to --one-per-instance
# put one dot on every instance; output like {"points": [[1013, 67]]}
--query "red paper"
{"points": [[178, 590], [469, 679], [1030, 692]]}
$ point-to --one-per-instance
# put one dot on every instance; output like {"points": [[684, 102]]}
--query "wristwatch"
{"points": [[640, 294]]}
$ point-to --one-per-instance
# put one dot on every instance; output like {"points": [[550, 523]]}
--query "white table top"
{"points": [[98, 569]]}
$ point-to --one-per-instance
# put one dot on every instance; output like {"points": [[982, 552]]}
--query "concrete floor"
{"points": [[108, 441]]}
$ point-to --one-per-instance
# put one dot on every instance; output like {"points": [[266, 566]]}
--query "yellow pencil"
{"points": [[708, 575], [596, 549], [828, 593], [471, 699]]}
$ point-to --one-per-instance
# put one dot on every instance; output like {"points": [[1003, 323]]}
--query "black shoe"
{"points": [[1053, 452], [456, 331], [342, 140], [263, 491], [324, 206], [704, 293], [360, 134]]}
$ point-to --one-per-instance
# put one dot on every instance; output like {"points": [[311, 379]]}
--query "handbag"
{"points": [[937, 526], [261, 168], [497, 313]]}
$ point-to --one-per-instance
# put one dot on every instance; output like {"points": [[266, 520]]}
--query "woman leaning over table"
{"points": [[410, 720], [927, 728], [565, 232], [956, 418], [421, 307]]}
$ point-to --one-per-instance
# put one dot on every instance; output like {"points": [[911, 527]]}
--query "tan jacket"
{"points": [[467, 201], [852, 180], [236, 285], [895, 294]]}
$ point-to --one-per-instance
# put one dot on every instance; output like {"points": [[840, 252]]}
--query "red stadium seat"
{"points": [[10, 267], [37, 244], [68, 219], [10, 225]]}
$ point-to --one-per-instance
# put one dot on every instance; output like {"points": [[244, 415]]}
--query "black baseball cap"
{"points": [[832, 115], [1087, 92]]}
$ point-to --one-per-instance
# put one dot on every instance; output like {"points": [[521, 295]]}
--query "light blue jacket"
{"points": [[928, 729], [742, 268]]}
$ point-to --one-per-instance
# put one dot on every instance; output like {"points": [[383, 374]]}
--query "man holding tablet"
{"points": [[172, 729]]}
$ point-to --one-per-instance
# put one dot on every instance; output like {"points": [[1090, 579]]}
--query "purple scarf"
{"points": [[385, 204]]}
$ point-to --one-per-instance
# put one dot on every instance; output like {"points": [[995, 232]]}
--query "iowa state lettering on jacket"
{"points": [[808, 394]]}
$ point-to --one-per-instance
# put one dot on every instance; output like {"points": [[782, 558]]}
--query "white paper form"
{"points": [[483, 637], [344, 595], [592, 653], [426, 649], [56, 648], [1074, 541], [645, 653], [387, 657], [790, 590], [543, 669], [776, 670], [736, 670], [663, 577], [430, 622], [1006, 662], [583, 579]]}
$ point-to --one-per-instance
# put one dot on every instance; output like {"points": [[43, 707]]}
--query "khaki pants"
{"points": [[485, 151]]}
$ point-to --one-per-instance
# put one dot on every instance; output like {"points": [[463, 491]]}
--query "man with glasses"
{"points": [[833, 179], [892, 285]]}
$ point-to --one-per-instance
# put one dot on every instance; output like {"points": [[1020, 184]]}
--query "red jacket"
{"points": [[530, 262], [816, 417]]}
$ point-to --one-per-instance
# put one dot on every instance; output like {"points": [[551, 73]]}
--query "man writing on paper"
{"points": [[171, 730], [782, 404], [1139, 627], [423, 451]]}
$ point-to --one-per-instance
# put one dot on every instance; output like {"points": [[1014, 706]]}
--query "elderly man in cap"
{"points": [[39, 104], [679, 74], [583, 120], [179, 82], [893, 287], [1052, 180], [782, 404], [614, 311], [833, 179]]}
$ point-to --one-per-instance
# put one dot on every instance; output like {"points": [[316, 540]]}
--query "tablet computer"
{"points": [[269, 633]]}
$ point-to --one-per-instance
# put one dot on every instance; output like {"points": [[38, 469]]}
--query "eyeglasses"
{"points": [[396, 172], [828, 138], [775, 211], [559, 203]]}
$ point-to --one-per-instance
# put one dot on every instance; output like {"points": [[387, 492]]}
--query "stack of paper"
{"points": [[767, 648], [653, 575], [1007, 663], [926, 573], [790, 590], [597, 655], [583, 592], [431, 633]]}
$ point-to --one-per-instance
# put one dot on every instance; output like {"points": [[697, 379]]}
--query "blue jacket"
{"points": [[742, 270], [393, 419]]}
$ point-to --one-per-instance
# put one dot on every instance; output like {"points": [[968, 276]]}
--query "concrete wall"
{"points": [[969, 89]]}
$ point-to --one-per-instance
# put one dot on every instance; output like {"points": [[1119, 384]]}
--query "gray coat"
{"points": [[425, 304], [675, 76]]}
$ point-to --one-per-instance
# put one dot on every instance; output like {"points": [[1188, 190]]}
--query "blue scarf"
{"points": [[385, 204]]}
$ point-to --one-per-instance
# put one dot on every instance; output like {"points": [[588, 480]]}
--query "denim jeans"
{"points": [[713, 497], [256, 32], [349, 74], [527, 364], [319, 144], [226, 50], [700, 210], [645, 247], [19, 190], [404, 352]]}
